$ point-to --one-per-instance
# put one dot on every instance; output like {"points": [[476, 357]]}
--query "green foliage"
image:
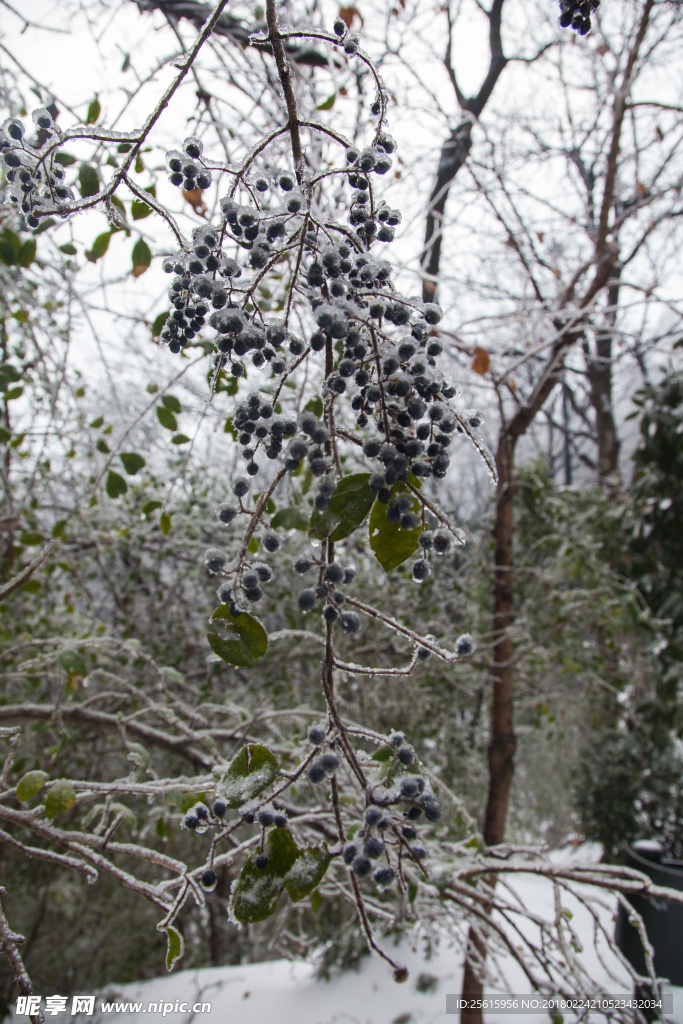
{"points": [[391, 544], [298, 871], [60, 798], [88, 180], [247, 775], [115, 485], [132, 462], [175, 946], [293, 518], [166, 418], [251, 643], [30, 784], [349, 505], [94, 110]]}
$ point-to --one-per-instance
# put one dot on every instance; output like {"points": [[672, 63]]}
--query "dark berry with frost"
{"points": [[307, 600], [316, 734], [271, 542], [330, 763], [349, 575], [350, 622], [302, 565], [442, 543], [226, 512], [208, 880], [431, 807], [408, 832], [349, 853], [219, 808], [373, 848], [315, 772], [330, 614], [264, 572], [423, 654], [373, 816], [415, 813], [384, 877], [261, 861], [397, 739], [215, 560], [240, 487], [405, 755], [191, 822], [334, 573], [265, 817], [280, 821], [465, 645], [421, 570], [361, 866], [418, 852]]}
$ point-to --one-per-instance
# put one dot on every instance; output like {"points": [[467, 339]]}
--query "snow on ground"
{"points": [[280, 992]]}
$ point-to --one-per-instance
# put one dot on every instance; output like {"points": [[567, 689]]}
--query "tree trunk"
{"points": [[599, 366], [503, 743]]}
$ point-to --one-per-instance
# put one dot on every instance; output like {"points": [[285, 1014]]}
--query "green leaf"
{"points": [[30, 784], [165, 523], [172, 403], [175, 946], [4, 435], [94, 111], [72, 663], [139, 209], [307, 872], [65, 159], [247, 775], [328, 103], [142, 257], [10, 243], [166, 418], [350, 504], [99, 247], [256, 893], [180, 439], [31, 538], [159, 323], [30, 587], [88, 180], [253, 546], [315, 405], [132, 462], [68, 249], [97, 423], [253, 639], [14, 393], [290, 519], [8, 375], [60, 798], [27, 252], [102, 445], [390, 543], [383, 753], [282, 851], [150, 506], [115, 485], [124, 147]]}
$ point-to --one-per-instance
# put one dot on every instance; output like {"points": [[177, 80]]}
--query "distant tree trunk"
{"points": [[599, 365], [503, 743]]}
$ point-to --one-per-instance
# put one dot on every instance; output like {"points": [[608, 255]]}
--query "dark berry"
{"points": [[316, 734], [208, 880], [315, 772]]}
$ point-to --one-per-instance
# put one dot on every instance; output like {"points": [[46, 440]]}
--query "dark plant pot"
{"points": [[663, 920]]}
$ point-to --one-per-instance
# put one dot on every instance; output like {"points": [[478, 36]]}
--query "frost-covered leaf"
{"points": [[61, 797], [251, 639], [349, 505], [247, 775], [175, 946], [30, 784], [306, 873], [256, 892]]}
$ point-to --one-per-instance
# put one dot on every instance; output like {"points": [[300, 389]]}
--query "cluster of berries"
{"points": [[382, 831], [332, 576], [200, 818], [34, 182], [577, 14]]}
